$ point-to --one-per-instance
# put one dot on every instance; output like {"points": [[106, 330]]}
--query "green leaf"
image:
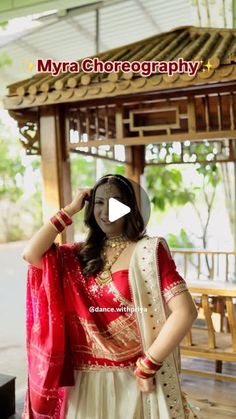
{"points": [[159, 202], [182, 240]]}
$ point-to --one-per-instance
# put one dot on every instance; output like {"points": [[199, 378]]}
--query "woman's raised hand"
{"points": [[43, 239], [78, 202]]}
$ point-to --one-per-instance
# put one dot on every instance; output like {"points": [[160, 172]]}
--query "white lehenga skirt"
{"points": [[104, 395], [111, 395]]}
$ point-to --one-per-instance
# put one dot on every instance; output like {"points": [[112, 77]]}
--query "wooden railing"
{"points": [[205, 264], [211, 279], [213, 335]]}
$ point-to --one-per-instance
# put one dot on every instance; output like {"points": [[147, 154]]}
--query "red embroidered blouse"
{"points": [[172, 283]]}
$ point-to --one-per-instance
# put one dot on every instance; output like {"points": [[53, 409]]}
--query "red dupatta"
{"points": [[47, 353], [62, 333]]}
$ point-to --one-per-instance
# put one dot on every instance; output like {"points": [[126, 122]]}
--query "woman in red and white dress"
{"points": [[105, 316]]}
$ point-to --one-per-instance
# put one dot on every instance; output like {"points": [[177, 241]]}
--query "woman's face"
{"points": [[101, 204]]}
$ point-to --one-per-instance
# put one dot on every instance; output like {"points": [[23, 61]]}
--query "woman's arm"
{"points": [[44, 238], [178, 300], [183, 314]]}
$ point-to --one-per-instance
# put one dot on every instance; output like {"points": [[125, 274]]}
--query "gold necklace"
{"points": [[119, 243]]}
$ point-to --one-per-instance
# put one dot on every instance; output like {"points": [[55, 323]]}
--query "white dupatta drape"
{"points": [[167, 401]]}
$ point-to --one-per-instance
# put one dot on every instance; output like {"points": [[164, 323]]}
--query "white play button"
{"points": [[116, 209]]}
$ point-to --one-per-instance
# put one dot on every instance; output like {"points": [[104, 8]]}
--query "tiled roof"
{"points": [[216, 47]]}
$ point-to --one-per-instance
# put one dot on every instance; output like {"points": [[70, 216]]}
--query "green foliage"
{"points": [[20, 216], [82, 172], [82, 176], [11, 171], [36, 164], [5, 59], [187, 151], [166, 187], [210, 173], [3, 24], [14, 233], [33, 207], [181, 240], [113, 167]]}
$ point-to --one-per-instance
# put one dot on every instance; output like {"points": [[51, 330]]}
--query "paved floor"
{"points": [[12, 315]]}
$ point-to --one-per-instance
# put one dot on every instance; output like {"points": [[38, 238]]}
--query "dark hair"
{"points": [[134, 228]]}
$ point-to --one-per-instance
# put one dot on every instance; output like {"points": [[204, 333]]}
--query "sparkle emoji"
{"points": [[209, 66], [30, 66]]}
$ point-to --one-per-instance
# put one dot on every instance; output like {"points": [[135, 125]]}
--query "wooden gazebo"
{"points": [[93, 113]]}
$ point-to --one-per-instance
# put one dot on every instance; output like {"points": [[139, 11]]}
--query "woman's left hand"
{"points": [[146, 385]]}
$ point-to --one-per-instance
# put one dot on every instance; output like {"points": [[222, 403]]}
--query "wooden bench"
{"points": [[216, 338]]}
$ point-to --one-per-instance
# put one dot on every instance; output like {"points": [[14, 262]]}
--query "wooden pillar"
{"points": [[55, 165], [135, 155], [134, 169]]}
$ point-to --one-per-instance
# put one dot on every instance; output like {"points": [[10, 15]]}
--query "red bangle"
{"points": [[140, 364], [54, 220], [150, 364], [139, 373], [65, 217]]}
